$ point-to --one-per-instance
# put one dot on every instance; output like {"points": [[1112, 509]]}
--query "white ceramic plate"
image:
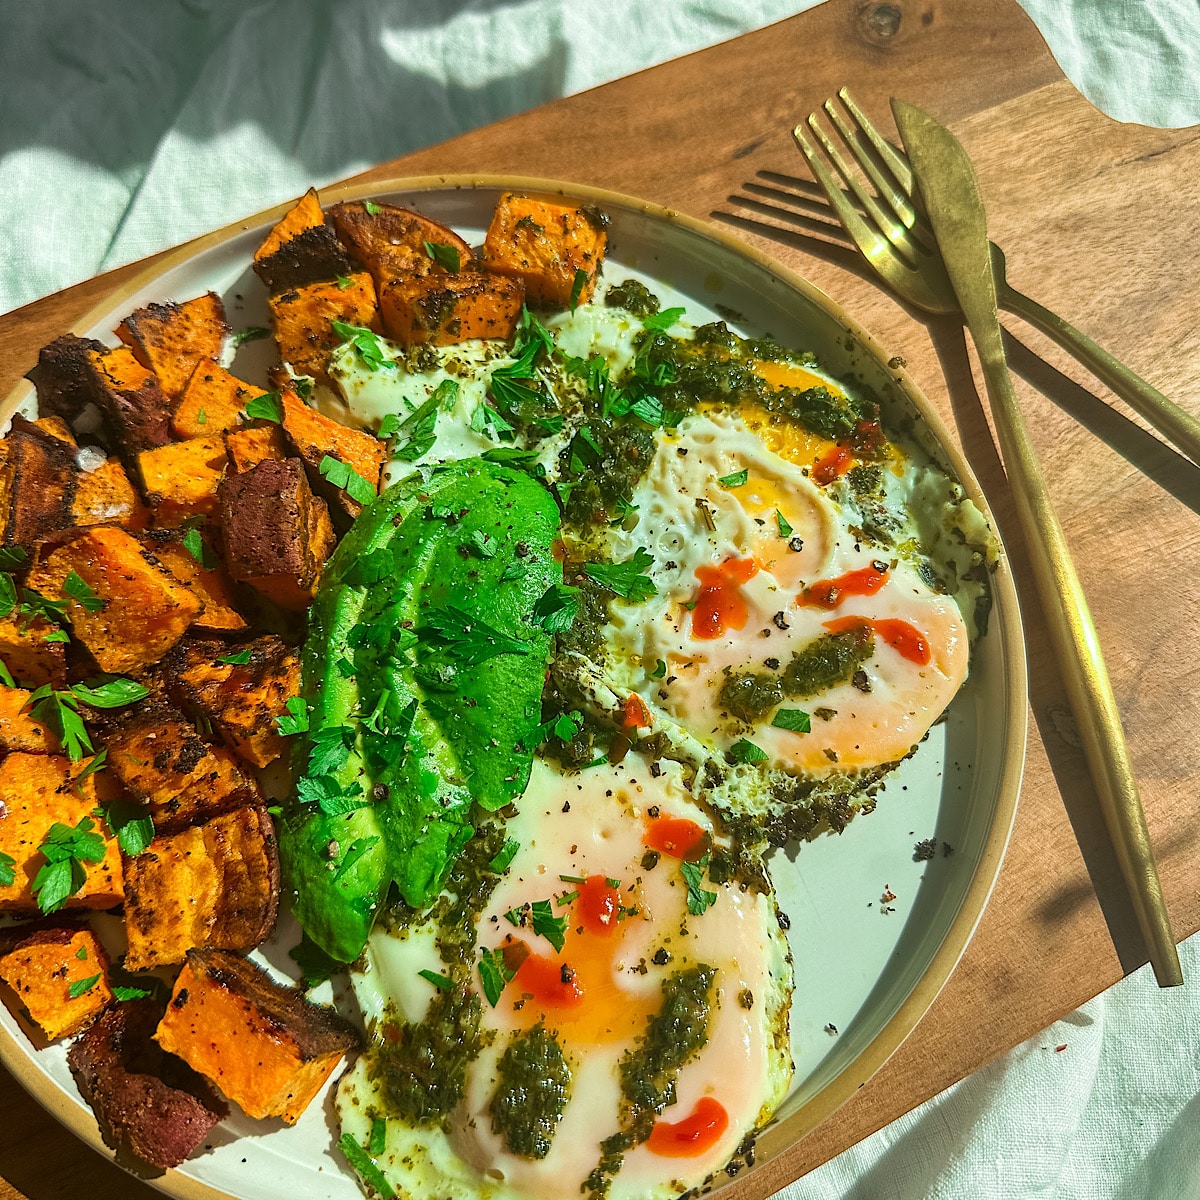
{"points": [[864, 968]]}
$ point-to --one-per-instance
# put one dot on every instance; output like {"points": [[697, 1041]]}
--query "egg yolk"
{"points": [[720, 606], [697, 1133]]}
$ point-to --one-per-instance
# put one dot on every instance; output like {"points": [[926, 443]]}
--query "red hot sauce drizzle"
{"points": [[696, 1134], [720, 607]]}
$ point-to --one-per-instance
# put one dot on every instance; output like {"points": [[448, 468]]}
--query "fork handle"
{"points": [[1180, 428], [1077, 649]]}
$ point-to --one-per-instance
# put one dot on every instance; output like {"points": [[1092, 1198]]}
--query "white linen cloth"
{"points": [[130, 125]]}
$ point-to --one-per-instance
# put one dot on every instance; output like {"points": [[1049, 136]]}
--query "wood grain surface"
{"points": [[1090, 214]]}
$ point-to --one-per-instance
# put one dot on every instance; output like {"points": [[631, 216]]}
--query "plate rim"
{"points": [[780, 1140]]}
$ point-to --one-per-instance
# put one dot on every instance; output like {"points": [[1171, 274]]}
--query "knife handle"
{"points": [[1077, 649], [1180, 428]]}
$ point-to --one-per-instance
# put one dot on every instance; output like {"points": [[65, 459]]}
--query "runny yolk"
{"points": [[695, 1134], [552, 982], [834, 462], [677, 837], [720, 607], [637, 715], [829, 593], [907, 640]]}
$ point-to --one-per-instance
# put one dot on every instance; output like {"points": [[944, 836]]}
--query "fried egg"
{"points": [[605, 907]]}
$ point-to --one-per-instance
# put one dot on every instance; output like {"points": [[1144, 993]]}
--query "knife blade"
{"points": [[950, 192]]}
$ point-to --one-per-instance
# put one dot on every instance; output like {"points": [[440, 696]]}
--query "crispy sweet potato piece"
{"points": [[266, 1047], [41, 964], [143, 609], [25, 652], [544, 241], [211, 402], [105, 496], [441, 309], [313, 255], [390, 242], [160, 759], [170, 339], [302, 318], [241, 700], [215, 884], [206, 577], [181, 479], [66, 376], [277, 533], [37, 485], [54, 427], [136, 411], [38, 790], [19, 730], [146, 1102], [304, 214], [248, 447], [314, 435]]}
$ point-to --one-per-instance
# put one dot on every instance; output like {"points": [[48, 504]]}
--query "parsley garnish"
{"points": [[372, 209], [444, 256], [661, 322], [112, 691], [132, 825], [366, 344], [8, 595], [77, 588], [201, 417], [251, 333], [194, 544], [515, 570], [130, 993], [484, 543], [698, 899], [735, 480], [65, 850], [743, 751], [486, 420], [785, 530], [81, 954], [315, 965], [378, 1142], [60, 710], [442, 982], [494, 974], [470, 639], [794, 720], [421, 423], [329, 795], [267, 407], [506, 854], [81, 987], [12, 557], [556, 609], [343, 475], [660, 669], [547, 925], [239, 658], [625, 579], [296, 719], [330, 749], [388, 427], [358, 848], [356, 1156], [577, 286], [7, 875], [344, 281]]}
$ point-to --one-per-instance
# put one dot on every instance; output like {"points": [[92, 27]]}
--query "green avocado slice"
{"points": [[424, 673]]}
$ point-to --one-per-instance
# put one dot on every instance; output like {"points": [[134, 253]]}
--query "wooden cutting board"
{"points": [[1090, 213]]}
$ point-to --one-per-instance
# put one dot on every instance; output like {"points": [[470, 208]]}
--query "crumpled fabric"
{"points": [[132, 125]]}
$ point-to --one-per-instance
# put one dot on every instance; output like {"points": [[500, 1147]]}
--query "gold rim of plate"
{"points": [[772, 1169]]}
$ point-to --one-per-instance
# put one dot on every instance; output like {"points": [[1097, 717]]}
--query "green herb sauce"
{"points": [[535, 1081]]}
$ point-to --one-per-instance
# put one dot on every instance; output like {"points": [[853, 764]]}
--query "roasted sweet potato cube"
{"points": [[105, 496], [248, 447], [37, 485], [39, 790], [313, 255], [160, 759], [215, 884], [212, 401], [66, 376], [54, 427], [441, 309], [390, 241], [60, 975], [241, 700], [302, 318], [136, 411], [265, 1047], [147, 1102], [138, 610], [24, 650], [544, 241], [304, 214], [277, 533], [19, 729], [181, 479], [172, 338], [205, 576], [314, 436]]}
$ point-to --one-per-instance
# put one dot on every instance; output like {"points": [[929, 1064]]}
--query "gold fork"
{"points": [[893, 235]]}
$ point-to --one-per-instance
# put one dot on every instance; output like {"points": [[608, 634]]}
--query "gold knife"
{"points": [[947, 182]]}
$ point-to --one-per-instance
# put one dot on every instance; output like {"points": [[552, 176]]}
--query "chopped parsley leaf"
{"points": [[267, 407]]}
